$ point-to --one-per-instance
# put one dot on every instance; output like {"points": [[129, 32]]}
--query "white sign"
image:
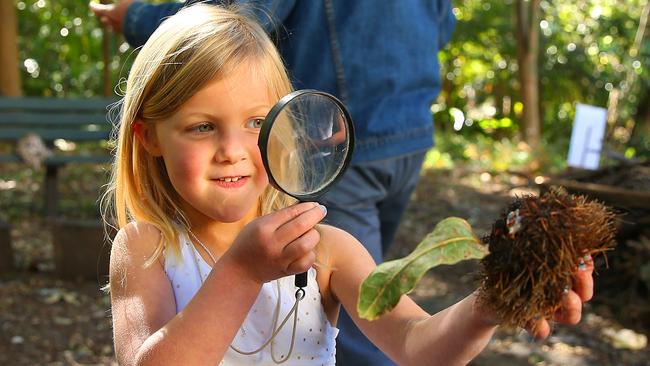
{"points": [[587, 136]]}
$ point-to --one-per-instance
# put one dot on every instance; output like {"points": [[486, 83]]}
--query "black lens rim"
{"points": [[265, 132]]}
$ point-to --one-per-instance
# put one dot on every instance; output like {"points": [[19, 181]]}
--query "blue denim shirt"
{"points": [[379, 57]]}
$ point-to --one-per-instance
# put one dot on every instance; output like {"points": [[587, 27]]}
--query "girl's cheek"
{"points": [[188, 165], [259, 164]]}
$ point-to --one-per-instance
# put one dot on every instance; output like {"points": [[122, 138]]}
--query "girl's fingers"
{"points": [[539, 329], [302, 264], [297, 220], [571, 310], [301, 246], [583, 282], [582, 291], [289, 213]]}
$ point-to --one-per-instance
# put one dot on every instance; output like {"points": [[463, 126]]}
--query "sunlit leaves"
{"points": [[60, 47], [584, 55], [451, 241]]}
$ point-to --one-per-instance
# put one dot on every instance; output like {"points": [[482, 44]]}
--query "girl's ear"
{"points": [[146, 135]]}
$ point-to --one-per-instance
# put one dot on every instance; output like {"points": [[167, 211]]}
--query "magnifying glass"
{"points": [[306, 143]]}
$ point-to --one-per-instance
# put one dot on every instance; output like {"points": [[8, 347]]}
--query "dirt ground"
{"points": [[47, 321]]}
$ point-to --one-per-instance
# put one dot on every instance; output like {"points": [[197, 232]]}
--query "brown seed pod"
{"points": [[535, 247]]}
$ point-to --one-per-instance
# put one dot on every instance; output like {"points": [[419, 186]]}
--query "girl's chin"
{"points": [[226, 207], [229, 219], [234, 214], [226, 213]]}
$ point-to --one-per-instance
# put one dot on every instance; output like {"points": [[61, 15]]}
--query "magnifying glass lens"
{"points": [[308, 145]]}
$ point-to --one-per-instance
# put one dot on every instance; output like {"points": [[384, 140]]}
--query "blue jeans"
{"points": [[368, 202]]}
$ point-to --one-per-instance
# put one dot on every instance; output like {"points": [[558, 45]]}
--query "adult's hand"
{"points": [[111, 15]]}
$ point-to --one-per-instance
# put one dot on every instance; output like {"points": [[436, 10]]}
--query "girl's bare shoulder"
{"points": [[137, 236], [340, 244], [332, 232], [348, 263], [133, 245]]}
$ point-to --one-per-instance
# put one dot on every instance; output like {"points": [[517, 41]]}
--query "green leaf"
{"points": [[451, 241]]}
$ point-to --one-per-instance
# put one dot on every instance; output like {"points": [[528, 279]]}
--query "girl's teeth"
{"points": [[231, 179]]}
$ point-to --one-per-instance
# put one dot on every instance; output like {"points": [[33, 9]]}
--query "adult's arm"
{"points": [[142, 19], [138, 20], [447, 22]]}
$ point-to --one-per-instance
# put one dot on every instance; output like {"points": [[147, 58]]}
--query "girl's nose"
{"points": [[230, 148]]}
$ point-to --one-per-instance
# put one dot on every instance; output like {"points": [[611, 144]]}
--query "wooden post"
{"points": [[106, 54], [9, 70], [81, 249], [527, 34], [51, 191], [6, 252]]}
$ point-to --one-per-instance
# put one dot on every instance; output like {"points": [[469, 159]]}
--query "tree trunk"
{"points": [[106, 56], [9, 71], [527, 34], [642, 118], [640, 134]]}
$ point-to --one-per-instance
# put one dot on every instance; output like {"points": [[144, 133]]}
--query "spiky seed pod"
{"points": [[535, 247]]}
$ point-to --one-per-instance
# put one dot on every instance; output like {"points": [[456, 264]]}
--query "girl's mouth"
{"points": [[231, 182], [229, 179]]}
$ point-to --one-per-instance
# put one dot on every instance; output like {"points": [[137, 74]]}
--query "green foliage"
{"points": [[584, 54], [60, 47], [451, 241], [481, 152]]}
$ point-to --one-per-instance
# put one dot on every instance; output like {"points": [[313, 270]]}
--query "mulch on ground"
{"points": [[48, 321]]}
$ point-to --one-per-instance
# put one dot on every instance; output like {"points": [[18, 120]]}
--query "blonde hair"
{"points": [[198, 44]]}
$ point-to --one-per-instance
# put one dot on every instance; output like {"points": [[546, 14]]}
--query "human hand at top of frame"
{"points": [[278, 244], [111, 15]]}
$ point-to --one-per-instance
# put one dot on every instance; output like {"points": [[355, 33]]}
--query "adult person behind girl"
{"points": [[199, 266], [380, 58]]}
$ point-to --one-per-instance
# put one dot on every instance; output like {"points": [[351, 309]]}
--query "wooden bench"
{"points": [[52, 119]]}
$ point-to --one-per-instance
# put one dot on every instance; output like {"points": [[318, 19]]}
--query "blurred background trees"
{"points": [[593, 52]]}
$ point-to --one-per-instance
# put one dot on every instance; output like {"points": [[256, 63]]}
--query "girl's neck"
{"points": [[218, 236]]}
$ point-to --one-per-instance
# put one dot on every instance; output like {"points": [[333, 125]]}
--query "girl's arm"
{"points": [[407, 334], [148, 331]]}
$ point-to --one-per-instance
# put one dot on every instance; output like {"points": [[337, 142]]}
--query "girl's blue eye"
{"points": [[203, 127], [255, 123]]}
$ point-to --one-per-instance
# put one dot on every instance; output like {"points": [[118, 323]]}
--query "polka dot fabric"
{"points": [[315, 337]]}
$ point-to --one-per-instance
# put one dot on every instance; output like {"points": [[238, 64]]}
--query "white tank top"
{"points": [[314, 342]]}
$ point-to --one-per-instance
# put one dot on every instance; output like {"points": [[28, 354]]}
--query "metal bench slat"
{"points": [[9, 159], [62, 159], [55, 118], [53, 134], [56, 104], [47, 119]]}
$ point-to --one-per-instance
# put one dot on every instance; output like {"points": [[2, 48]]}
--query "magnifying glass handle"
{"points": [[301, 280]]}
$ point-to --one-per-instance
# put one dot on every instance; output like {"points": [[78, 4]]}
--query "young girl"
{"points": [[201, 267]]}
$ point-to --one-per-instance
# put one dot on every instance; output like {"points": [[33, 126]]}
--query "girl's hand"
{"points": [[571, 310], [279, 244]]}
